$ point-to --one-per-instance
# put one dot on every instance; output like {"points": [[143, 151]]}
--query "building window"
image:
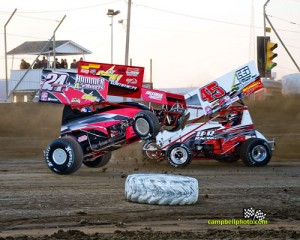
{"points": [[25, 98]]}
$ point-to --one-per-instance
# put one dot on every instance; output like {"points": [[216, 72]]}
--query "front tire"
{"points": [[146, 125], [256, 152], [179, 155], [99, 161], [64, 155]]}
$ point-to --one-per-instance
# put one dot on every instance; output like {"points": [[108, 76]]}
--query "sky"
{"points": [[190, 42]]}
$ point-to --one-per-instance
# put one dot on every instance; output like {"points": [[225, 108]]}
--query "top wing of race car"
{"points": [[124, 81], [223, 91], [93, 82]]}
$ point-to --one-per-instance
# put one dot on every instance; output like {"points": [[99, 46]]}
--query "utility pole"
{"points": [[127, 32], [111, 13], [5, 49], [54, 62], [265, 5]]}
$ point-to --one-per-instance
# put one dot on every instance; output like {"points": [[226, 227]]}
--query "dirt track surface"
{"points": [[90, 204]]}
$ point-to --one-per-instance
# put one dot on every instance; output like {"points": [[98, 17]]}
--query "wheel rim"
{"points": [[178, 155], [152, 151], [259, 153], [142, 126], [59, 156]]}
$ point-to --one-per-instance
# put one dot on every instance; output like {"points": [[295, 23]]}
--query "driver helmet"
{"points": [[233, 117]]}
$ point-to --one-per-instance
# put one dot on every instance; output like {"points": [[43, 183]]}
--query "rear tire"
{"points": [[179, 155], [99, 161], [146, 125], [64, 155], [256, 152]]}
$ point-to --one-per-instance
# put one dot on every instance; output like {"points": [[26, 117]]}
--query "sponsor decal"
{"points": [[89, 97], [115, 83], [93, 71], [44, 96], [53, 99], [82, 138], [94, 83], [75, 100], [131, 81], [90, 66], [154, 95], [253, 87], [110, 74], [205, 135], [85, 71], [243, 74], [132, 72]]}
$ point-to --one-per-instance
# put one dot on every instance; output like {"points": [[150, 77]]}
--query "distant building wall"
{"points": [[2, 89], [291, 84]]}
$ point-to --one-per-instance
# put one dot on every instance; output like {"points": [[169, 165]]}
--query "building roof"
{"points": [[62, 47]]}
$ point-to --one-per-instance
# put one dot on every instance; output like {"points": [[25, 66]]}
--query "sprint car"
{"points": [[93, 127], [227, 134]]}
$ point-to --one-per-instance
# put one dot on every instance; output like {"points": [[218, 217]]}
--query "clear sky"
{"points": [[190, 42]]}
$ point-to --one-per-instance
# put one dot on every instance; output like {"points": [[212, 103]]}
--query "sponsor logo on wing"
{"points": [[94, 83], [154, 95], [122, 85], [131, 81], [132, 72], [53, 99], [44, 96], [89, 97], [243, 74], [75, 100]]}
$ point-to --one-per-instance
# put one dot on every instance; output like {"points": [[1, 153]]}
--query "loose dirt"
{"points": [[90, 204]]}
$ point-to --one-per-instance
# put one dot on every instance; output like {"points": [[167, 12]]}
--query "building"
{"points": [[23, 83]]}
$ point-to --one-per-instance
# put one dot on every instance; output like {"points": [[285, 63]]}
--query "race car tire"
{"points": [[161, 189], [64, 155], [256, 152], [146, 125], [179, 155], [153, 155], [98, 161]]}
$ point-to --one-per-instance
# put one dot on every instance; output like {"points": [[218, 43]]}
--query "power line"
{"points": [[37, 18], [282, 19], [207, 19], [191, 16], [72, 9]]}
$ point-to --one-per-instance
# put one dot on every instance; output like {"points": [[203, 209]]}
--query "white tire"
{"points": [[161, 189]]}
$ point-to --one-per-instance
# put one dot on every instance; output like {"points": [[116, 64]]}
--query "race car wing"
{"points": [[72, 89], [124, 81], [224, 91]]}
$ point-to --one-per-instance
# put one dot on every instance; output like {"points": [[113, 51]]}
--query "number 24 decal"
{"points": [[55, 82], [212, 92]]}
